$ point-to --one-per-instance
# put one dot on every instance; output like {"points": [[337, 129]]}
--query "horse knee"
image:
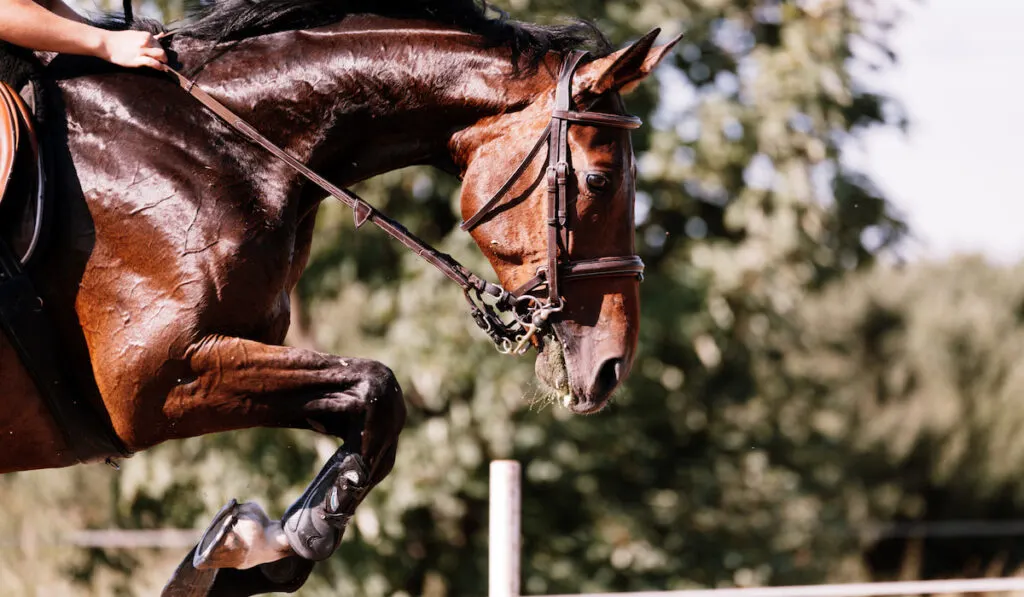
{"points": [[385, 404], [368, 398]]}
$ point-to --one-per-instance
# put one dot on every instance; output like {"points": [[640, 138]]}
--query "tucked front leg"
{"points": [[233, 383]]}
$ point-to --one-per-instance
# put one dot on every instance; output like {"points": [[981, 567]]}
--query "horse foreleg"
{"points": [[235, 383], [312, 528]]}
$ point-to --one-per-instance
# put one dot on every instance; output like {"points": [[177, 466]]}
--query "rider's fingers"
{"points": [[150, 62], [154, 53]]}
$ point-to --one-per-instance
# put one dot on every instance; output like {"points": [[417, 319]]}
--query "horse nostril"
{"points": [[608, 377]]}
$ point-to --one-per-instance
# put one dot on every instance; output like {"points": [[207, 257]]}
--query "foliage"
{"points": [[922, 377]]}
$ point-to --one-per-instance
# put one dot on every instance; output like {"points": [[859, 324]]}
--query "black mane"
{"points": [[234, 20]]}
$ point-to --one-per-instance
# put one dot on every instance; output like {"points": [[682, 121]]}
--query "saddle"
{"points": [[21, 177]]}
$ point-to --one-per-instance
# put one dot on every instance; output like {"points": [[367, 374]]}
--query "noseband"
{"points": [[488, 302]]}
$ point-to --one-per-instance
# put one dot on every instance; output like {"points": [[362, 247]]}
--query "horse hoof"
{"points": [[241, 536]]}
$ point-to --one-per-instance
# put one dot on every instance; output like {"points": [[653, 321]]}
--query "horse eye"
{"points": [[598, 182]]}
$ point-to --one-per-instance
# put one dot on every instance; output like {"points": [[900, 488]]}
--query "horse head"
{"points": [[590, 345]]}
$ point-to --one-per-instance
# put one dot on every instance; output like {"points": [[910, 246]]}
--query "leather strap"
{"points": [[592, 118], [558, 177], [599, 119], [559, 168], [600, 267], [486, 209], [363, 211], [506, 335]]}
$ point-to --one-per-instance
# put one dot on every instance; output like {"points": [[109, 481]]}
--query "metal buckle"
{"points": [[538, 313], [486, 315]]}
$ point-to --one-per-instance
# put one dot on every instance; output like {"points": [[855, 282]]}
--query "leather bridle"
{"points": [[557, 137], [489, 302]]}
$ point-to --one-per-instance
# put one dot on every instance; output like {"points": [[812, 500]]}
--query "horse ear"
{"points": [[622, 71]]}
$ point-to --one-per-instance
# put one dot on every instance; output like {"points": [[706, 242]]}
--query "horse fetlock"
{"points": [[315, 523]]}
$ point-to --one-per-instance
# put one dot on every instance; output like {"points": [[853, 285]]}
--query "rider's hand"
{"points": [[132, 48]]}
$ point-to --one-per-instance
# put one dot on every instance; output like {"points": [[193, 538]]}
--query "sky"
{"points": [[957, 176]]}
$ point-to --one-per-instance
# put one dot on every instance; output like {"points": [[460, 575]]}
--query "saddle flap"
{"points": [[21, 175]]}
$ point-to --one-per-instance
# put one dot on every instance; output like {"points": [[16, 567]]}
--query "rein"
{"points": [[487, 301]]}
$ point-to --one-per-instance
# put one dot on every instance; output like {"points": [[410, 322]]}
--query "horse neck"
{"points": [[357, 103]]}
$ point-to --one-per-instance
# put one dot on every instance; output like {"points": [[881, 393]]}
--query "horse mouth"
{"points": [[553, 375]]}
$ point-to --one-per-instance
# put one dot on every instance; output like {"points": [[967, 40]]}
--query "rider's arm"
{"points": [[27, 24]]}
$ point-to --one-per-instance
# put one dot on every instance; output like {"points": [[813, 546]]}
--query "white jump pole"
{"points": [[503, 559], [874, 589], [503, 564]]}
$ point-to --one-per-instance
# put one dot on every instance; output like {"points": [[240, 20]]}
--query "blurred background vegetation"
{"points": [[799, 394]]}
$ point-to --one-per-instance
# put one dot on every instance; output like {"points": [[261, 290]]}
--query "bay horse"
{"points": [[177, 240]]}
